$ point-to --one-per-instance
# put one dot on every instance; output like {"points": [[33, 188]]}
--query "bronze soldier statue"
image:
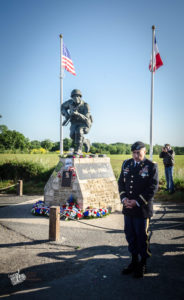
{"points": [[77, 112]]}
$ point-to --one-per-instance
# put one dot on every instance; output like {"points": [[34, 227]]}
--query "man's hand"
{"points": [[129, 203]]}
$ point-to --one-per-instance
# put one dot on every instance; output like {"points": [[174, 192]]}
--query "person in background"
{"points": [[168, 159], [137, 183]]}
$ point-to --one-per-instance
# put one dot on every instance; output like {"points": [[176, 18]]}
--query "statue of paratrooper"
{"points": [[77, 112]]}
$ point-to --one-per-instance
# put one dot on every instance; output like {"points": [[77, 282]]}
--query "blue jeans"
{"points": [[169, 178]]}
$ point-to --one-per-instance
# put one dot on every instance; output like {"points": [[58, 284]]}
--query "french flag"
{"points": [[157, 61]]}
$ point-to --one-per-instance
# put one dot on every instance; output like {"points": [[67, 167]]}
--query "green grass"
{"points": [[50, 160], [117, 160], [47, 160]]}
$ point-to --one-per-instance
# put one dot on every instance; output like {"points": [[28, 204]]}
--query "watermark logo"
{"points": [[17, 278]]}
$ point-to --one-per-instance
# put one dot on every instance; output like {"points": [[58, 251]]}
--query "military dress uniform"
{"points": [[138, 182]]}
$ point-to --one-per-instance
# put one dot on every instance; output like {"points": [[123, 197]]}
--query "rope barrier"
{"points": [[6, 188], [19, 185]]}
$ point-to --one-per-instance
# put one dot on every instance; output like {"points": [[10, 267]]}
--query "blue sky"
{"points": [[110, 43]]}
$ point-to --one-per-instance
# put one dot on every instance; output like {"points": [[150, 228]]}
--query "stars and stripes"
{"points": [[67, 61], [157, 61]]}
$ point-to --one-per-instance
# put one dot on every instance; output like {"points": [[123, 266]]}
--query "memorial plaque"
{"points": [[95, 170], [66, 179]]}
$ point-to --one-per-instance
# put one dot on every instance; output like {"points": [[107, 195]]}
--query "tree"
{"points": [[47, 144], [3, 128], [67, 144], [56, 146], [112, 149], [157, 149], [12, 140], [35, 144]]}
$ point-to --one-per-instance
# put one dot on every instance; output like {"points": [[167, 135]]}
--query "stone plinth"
{"points": [[90, 180]]}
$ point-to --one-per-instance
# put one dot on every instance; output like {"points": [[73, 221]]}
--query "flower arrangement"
{"points": [[70, 210], [95, 213]]}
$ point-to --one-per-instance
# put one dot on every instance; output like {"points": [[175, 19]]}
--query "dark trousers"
{"points": [[136, 232]]}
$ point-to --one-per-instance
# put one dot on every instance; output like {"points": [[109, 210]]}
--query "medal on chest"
{"points": [[144, 172]]}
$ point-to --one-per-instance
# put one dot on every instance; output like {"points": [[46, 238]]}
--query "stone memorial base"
{"points": [[90, 180]]}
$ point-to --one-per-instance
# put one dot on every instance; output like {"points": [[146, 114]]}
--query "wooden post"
{"points": [[20, 188], [54, 223]]}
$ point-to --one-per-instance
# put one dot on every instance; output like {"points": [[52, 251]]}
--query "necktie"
{"points": [[136, 165]]}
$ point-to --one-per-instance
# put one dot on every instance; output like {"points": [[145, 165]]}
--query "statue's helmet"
{"points": [[76, 92]]}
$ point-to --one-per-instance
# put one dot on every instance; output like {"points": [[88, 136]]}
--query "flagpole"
{"points": [[152, 95], [61, 95]]}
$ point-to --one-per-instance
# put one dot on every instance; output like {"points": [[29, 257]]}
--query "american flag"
{"points": [[67, 61]]}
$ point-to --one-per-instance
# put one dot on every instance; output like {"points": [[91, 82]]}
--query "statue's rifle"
{"points": [[67, 120]]}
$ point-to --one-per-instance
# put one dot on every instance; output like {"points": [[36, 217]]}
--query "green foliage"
{"points": [[12, 140], [179, 150], [121, 148], [35, 144], [26, 170], [47, 144], [3, 128], [179, 184], [38, 151], [55, 147], [36, 169], [67, 144]]}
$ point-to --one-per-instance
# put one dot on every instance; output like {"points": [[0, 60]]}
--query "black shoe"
{"points": [[140, 270], [130, 269]]}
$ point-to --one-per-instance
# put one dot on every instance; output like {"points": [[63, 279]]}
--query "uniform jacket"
{"points": [[140, 184], [168, 158]]}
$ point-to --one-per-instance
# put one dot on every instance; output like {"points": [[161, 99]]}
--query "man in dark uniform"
{"points": [[137, 183], [77, 112]]}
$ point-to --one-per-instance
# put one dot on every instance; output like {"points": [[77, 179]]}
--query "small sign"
{"points": [[66, 179]]}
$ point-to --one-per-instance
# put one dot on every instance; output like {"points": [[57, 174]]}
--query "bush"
{"points": [[179, 184], [26, 171], [38, 151]]}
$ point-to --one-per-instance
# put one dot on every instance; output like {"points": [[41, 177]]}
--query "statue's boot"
{"points": [[86, 144]]}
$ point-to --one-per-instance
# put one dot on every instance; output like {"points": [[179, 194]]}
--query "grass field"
{"points": [[116, 161], [50, 160]]}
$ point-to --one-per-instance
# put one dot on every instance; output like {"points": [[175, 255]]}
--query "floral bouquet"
{"points": [[70, 210], [95, 212]]}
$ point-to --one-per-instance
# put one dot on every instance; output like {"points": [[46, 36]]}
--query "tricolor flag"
{"points": [[157, 61], [67, 61]]}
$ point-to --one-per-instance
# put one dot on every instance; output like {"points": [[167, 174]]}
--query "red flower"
{"points": [[79, 215]]}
